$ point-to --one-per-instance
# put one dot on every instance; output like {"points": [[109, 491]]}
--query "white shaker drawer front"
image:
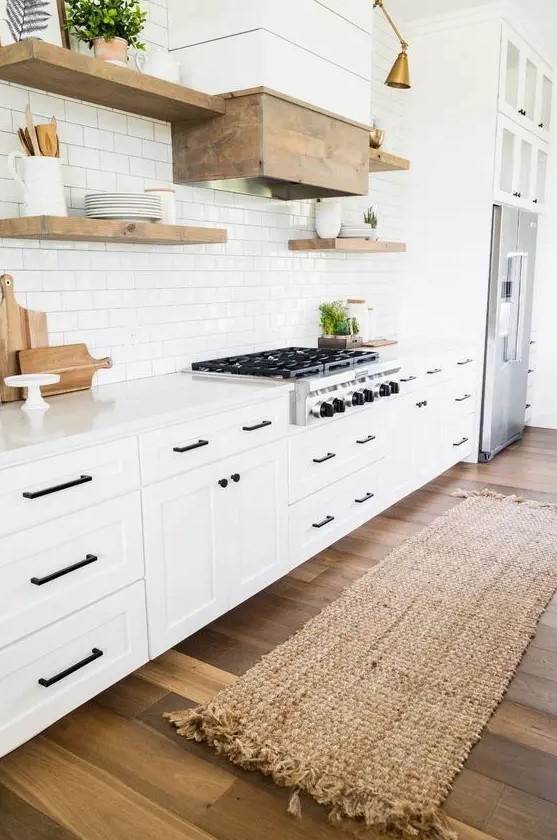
{"points": [[43, 490], [177, 449], [460, 440], [320, 456], [49, 673], [52, 570], [463, 400], [322, 519]]}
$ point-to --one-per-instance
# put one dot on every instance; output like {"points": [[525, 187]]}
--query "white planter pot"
{"points": [[328, 218], [373, 234]]}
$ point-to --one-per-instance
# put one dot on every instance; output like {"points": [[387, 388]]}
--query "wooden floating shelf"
{"points": [[53, 69], [384, 162], [353, 246], [79, 229]]}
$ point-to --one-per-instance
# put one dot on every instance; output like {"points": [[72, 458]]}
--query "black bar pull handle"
{"points": [[460, 442], [366, 498], [435, 370], [327, 457], [367, 439], [326, 521], [90, 558], [465, 362], [262, 425], [95, 654], [409, 379], [191, 447], [84, 479], [464, 398]]}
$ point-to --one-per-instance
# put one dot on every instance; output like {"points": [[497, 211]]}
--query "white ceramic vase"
{"points": [[328, 217], [40, 179]]}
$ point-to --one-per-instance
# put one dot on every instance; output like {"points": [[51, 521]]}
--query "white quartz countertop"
{"points": [[109, 411]]}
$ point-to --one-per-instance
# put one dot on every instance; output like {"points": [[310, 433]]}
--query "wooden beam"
{"points": [[354, 246]]}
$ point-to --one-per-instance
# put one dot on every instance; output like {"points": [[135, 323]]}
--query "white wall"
{"points": [[155, 309]]}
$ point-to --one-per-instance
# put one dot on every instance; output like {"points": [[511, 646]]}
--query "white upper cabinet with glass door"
{"points": [[526, 85], [520, 166]]}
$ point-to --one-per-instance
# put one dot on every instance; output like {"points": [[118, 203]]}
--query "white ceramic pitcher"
{"points": [[159, 63], [41, 182]]}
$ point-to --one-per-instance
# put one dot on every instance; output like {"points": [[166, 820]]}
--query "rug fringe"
{"points": [[222, 729], [491, 494]]}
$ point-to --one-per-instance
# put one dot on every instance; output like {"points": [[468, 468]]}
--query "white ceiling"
{"points": [[542, 14]]}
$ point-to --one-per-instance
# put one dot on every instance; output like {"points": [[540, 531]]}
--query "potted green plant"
{"points": [[108, 26], [370, 218], [339, 330]]}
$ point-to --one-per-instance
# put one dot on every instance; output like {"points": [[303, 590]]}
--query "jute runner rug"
{"points": [[373, 706]]}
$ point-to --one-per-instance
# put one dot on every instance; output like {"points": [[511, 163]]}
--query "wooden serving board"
{"points": [[380, 342], [72, 361], [20, 329]]}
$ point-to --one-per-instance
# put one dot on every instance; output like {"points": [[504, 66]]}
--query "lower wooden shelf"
{"points": [[359, 246], [79, 229], [380, 161]]}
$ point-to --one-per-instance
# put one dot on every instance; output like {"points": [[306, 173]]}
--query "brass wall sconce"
{"points": [[399, 77]]}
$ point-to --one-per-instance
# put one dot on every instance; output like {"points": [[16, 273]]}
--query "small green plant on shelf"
{"points": [[370, 218], [335, 319], [93, 21]]}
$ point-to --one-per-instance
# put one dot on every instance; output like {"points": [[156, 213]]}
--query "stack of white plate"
{"points": [[357, 232], [134, 206]]}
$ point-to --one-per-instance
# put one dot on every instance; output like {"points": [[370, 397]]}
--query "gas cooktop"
{"points": [[289, 362]]}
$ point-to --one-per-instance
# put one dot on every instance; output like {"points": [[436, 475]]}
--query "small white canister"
{"points": [[41, 182], [168, 199]]}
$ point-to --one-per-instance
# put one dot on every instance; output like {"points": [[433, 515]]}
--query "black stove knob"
{"points": [[369, 396], [327, 409], [384, 389], [395, 387], [339, 405], [358, 398]]}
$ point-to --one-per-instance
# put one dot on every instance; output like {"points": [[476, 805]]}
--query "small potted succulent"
{"points": [[370, 218], [108, 26], [340, 331]]}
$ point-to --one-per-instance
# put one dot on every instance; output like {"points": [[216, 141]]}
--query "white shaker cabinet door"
{"points": [[189, 524], [260, 502], [213, 537]]}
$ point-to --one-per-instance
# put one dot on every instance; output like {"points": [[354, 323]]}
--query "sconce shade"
{"points": [[399, 77]]}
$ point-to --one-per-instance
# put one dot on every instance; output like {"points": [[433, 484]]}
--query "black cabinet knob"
{"points": [[339, 406], [235, 478], [223, 482], [540, 125]]}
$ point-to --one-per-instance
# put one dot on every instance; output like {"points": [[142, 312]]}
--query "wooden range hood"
{"points": [[270, 145]]}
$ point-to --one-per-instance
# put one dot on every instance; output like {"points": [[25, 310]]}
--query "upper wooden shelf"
{"points": [[79, 229], [54, 69], [380, 161], [353, 246]]}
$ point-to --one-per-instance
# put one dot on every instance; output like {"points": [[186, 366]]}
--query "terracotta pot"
{"points": [[115, 51]]}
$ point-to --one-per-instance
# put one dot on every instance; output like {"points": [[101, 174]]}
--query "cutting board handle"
{"points": [[104, 364], [7, 285]]}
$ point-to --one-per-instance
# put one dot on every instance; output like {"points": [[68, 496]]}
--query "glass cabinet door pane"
{"points": [[547, 96], [507, 161], [512, 75], [541, 177], [530, 88], [524, 186]]}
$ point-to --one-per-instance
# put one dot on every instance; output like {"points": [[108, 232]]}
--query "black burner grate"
{"points": [[289, 362]]}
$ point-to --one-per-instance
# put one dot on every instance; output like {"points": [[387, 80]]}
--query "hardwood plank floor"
{"points": [[115, 770]]}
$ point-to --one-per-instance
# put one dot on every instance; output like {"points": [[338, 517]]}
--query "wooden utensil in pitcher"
{"points": [[24, 144], [32, 133], [48, 139]]}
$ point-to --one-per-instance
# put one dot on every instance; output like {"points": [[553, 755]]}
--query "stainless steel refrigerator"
{"points": [[509, 319]]}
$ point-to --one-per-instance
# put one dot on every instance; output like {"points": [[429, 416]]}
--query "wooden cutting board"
{"points": [[72, 361], [20, 329]]}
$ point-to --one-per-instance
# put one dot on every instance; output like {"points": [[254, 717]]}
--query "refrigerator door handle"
{"points": [[519, 262]]}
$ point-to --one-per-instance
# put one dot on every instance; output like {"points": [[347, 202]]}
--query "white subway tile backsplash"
{"points": [[155, 309]]}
